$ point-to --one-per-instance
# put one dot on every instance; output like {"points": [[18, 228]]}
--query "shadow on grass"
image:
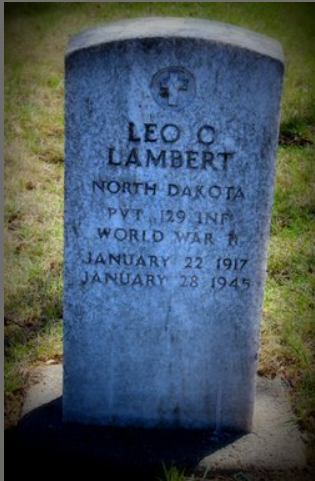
{"points": [[29, 8], [295, 131]]}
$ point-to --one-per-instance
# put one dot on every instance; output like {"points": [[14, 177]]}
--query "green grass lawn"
{"points": [[35, 38]]}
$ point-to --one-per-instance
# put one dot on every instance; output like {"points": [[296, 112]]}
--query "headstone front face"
{"points": [[171, 132]]}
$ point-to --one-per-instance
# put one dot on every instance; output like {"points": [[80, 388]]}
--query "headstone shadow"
{"points": [[118, 450]]}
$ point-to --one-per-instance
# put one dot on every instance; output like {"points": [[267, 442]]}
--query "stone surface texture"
{"points": [[171, 131]]}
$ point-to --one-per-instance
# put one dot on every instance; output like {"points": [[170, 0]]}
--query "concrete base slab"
{"points": [[274, 444]]}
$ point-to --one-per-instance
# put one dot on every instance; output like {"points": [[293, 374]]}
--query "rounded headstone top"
{"points": [[171, 27]]}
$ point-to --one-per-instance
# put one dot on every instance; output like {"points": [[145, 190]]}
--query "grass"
{"points": [[35, 39], [171, 473]]}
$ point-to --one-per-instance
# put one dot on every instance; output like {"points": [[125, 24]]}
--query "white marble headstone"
{"points": [[171, 133]]}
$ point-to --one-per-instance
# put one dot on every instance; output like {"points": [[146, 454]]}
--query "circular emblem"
{"points": [[173, 87]]}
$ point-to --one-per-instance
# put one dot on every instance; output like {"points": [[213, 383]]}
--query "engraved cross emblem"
{"points": [[172, 88]]}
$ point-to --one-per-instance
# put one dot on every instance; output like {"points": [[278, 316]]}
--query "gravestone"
{"points": [[171, 131]]}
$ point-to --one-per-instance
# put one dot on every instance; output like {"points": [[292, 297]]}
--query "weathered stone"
{"points": [[171, 132]]}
